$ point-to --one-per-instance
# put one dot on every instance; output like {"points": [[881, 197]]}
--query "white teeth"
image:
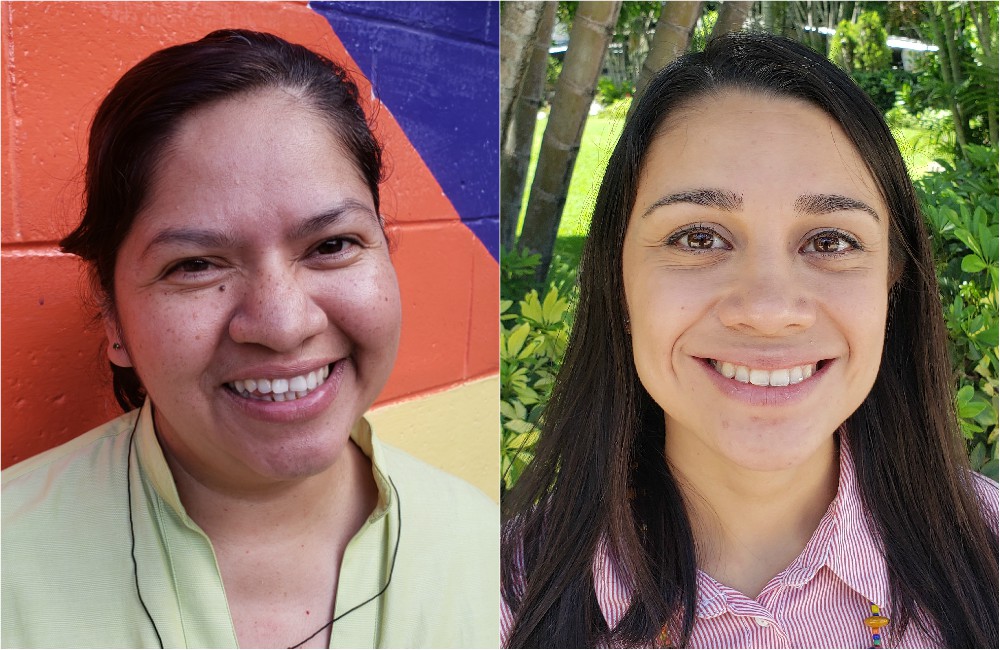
{"points": [[779, 377], [281, 389], [757, 377]]}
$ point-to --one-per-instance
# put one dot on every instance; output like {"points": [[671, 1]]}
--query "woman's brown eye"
{"points": [[700, 239], [828, 243], [331, 247]]}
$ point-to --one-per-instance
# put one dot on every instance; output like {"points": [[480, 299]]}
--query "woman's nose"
{"points": [[767, 298], [277, 310]]}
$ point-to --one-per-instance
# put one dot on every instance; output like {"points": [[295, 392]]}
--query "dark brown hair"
{"points": [[603, 435], [142, 112]]}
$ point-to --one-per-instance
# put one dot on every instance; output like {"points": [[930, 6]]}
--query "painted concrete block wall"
{"points": [[433, 68]]}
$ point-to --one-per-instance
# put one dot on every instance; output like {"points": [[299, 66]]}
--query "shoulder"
{"points": [[79, 471], [448, 555], [435, 494], [64, 532]]}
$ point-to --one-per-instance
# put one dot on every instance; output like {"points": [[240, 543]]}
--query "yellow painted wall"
{"points": [[456, 430]]}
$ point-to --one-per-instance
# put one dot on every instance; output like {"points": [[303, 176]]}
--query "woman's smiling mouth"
{"points": [[281, 389], [759, 377]]}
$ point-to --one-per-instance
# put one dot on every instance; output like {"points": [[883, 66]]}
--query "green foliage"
{"points": [[861, 46], [703, 30], [881, 85], [553, 68], [873, 54], [533, 339], [608, 92], [961, 208]]}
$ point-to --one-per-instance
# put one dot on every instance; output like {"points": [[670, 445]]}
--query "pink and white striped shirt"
{"points": [[819, 601]]}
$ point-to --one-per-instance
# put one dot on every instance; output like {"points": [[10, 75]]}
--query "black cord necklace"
{"points": [[135, 564], [131, 526], [392, 567]]}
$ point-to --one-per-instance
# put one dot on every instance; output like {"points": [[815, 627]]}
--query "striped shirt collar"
{"points": [[841, 542]]}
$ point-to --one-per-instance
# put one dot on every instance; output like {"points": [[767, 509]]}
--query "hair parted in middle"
{"points": [[600, 474]]}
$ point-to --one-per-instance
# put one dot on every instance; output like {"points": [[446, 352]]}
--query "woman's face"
{"points": [[254, 293], [756, 277]]}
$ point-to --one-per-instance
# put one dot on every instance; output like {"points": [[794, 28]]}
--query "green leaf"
{"points": [[516, 339], [520, 426], [524, 440], [990, 469], [978, 456], [972, 409], [973, 264], [507, 410]]}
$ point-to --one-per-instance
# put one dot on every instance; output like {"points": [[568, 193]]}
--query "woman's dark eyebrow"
{"points": [[220, 240], [199, 237], [320, 222], [706, 196], [827, 203]]}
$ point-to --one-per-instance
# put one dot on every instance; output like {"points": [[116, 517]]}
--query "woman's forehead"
{"points": [[750, 144]]}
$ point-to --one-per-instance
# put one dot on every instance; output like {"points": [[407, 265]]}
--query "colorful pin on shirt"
{"points": [[876, 622]]}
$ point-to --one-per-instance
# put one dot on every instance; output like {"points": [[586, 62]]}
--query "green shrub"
{"points": [[961, 208], [533, 336], [860, 46], [608, 92], [873, 53], [882, 85]]}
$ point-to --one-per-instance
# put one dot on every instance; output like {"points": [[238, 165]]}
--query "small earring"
{"points": [[116, 345]]}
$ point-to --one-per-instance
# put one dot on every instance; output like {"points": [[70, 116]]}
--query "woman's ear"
{"points": [[117, 353]]}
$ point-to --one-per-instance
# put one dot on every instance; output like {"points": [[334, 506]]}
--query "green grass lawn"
{"points": [[599, 137]]}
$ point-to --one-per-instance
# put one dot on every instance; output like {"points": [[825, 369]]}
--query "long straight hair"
{"points": [[600, 473]]}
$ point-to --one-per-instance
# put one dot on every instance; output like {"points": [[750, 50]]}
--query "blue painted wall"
{"points": [[445, 99]]}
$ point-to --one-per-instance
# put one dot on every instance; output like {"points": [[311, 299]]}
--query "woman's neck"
{"points": [[750, 524], [336, 501]]}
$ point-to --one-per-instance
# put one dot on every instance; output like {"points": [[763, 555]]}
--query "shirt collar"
{"points": [[855, 554], [842, 542], [154, 464]]}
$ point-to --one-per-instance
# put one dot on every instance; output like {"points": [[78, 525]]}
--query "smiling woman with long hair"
{"points": [[752, 440]]}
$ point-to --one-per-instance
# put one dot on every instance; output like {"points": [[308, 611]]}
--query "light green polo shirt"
{"points": [[69, 579]]}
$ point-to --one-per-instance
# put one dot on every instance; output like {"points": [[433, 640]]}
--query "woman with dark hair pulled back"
{"points": [[233, 231], [752, 439]]}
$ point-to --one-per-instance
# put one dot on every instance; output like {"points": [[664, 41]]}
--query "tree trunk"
{"points": [[518, 25], [732, 16], [516, 152], [671, 39], [982, 19], [588, 42], [944, 38]]}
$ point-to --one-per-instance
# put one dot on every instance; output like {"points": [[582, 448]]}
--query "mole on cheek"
{"points": [[222, 287]]}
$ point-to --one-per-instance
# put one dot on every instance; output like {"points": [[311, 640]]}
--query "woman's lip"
{"points": [[302, 408], [771, 396]]}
